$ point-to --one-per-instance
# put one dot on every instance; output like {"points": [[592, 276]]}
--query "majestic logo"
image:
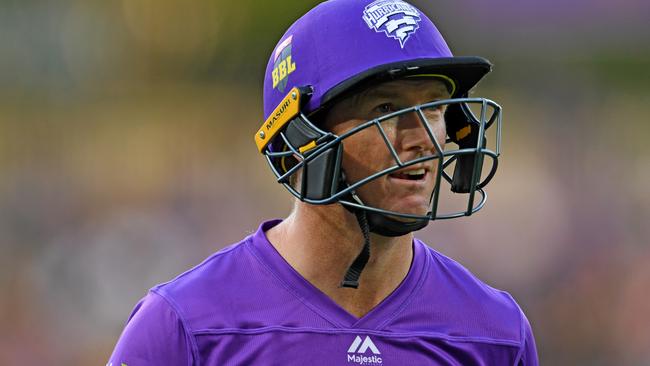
{"points": [[394, 17], [283, 66], [358, 350]]}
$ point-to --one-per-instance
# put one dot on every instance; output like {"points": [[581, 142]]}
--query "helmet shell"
{"points": [[341, 43]]}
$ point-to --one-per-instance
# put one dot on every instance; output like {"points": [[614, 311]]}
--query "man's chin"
{"points": [[410, 210], [413, 204], [407, 220]]}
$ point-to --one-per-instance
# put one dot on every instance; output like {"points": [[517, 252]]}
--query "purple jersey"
{"points": [[245, 305]]}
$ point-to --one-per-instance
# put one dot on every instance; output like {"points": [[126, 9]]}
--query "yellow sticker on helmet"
{"points": [[463, 132], [307, 147], [287, 110]]}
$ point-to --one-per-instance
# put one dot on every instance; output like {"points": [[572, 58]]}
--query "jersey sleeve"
{"points": [[154, 335], [529, 350]]}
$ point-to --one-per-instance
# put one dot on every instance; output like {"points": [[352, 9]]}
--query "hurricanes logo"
{"points": [[283, 65], [394, 17]]}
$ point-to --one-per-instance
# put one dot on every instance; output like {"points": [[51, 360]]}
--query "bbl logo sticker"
{"points": [[394, 17], [283, 65]]}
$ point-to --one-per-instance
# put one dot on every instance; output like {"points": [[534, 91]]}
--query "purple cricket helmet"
{"points": [[340, 46], [341, 43]]}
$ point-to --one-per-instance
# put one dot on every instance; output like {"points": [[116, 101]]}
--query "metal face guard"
{"points": [[302, 145]]}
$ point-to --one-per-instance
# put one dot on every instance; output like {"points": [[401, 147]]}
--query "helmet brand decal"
{"points": [[288, 108], [283, 65], [397, 19]]}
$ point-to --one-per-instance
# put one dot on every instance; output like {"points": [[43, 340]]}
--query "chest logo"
{"points": [[364, 352], [397, 19]]}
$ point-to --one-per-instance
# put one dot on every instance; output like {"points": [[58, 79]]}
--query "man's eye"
{"points": [[385, 108], [439, 108]]}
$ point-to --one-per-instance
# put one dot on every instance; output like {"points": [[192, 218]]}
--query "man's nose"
{"points": [[416, 134]]}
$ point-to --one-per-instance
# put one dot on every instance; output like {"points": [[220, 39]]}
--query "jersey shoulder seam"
{"points": [[522, 331], [219, 253], [504, 294], [458, 265], [186, 328]]}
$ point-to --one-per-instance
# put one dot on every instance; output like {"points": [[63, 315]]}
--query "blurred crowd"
{"points": [[126, 156]]}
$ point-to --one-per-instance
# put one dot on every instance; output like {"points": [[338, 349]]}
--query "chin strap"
{"points": [[377, 223], [351, 279], [385, 226]]}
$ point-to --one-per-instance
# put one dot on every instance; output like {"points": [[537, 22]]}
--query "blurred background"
{"points": [[126, 156]]}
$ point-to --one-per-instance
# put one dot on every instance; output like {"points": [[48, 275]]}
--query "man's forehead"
{"points": [[399, 91], [425, 87]]}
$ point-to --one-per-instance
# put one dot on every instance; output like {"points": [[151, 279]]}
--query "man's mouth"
{"points": [[413, 174]]}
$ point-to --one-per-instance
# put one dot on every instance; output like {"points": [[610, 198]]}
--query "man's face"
{"points": [[364, 153]]}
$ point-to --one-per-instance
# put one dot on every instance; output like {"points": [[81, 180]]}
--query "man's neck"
{"points": [[321, 242]]}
